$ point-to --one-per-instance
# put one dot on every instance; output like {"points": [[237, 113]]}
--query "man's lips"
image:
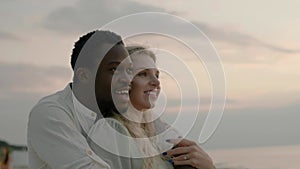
{"points": [[122, 94], [122, 91]]}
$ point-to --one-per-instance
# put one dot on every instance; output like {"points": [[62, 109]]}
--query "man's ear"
{"points": [[83, 75]]}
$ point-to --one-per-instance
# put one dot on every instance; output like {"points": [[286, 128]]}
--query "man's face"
{"points": [[113, 80]]}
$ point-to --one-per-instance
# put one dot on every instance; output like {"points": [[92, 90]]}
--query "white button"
{"points": [[93, 114], [90, 152], [71, 125]]}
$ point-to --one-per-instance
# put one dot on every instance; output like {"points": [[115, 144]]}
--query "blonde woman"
{"points": [[127, 139]]}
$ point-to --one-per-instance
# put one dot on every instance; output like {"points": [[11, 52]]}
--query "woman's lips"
{"points": [[152, 92]]}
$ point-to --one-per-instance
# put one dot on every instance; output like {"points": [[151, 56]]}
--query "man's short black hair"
{"points": [[107, 37]]}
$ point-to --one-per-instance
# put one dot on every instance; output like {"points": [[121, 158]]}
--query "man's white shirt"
{"points": [[54, 136]]}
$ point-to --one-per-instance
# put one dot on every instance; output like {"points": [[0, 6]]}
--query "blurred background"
{"points": [[257, 41]]}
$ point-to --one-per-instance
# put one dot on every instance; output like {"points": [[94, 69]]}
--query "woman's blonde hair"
{"points": [[143, 130], [139, 49]]}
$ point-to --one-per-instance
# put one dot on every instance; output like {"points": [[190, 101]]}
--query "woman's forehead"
{"points": [[143, 61]]}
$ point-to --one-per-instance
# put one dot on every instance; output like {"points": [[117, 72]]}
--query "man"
{"points": [[58, 123]]}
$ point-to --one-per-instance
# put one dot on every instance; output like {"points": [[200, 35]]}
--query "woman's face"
{"points": [[145, 86]]}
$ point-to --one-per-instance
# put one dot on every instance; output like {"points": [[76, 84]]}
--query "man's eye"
{"points": [[113, 69]]}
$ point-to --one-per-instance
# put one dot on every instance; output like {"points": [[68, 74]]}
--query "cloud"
{"points": [[87, 15], [8, 36], [27, 79], [239, 38]]}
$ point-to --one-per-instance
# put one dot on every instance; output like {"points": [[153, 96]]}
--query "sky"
{"points": [[257, 42]]}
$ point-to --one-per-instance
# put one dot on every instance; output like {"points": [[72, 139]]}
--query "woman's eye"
{"points": [[142, 74]]}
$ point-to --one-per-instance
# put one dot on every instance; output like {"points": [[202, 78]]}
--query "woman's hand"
{"points": [[187, 152]]}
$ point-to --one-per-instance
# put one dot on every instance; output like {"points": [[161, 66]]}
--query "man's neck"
{"points": [[84, 97]]}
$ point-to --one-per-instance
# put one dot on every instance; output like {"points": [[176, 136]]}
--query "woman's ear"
{"points": [[83, 75]]}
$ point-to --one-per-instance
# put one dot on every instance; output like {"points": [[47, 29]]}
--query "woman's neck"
{"points": [[134, 115]]}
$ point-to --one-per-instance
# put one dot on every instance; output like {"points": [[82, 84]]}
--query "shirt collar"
{"points": [[85, 116]]}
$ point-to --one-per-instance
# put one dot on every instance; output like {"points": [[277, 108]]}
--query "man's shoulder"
{"points": [[59, 101], [58, 97]]}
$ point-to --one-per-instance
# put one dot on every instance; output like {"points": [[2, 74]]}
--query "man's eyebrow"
{"points": [[145, 68]]}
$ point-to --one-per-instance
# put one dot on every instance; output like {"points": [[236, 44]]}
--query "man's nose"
{"points": [[125, 77]]}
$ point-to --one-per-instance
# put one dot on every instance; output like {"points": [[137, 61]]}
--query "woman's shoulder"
{"points": [[117, 125], [108, 126], [109, 137]]}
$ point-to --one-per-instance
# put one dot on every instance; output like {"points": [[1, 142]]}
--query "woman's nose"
{"points": [[154, 81]]}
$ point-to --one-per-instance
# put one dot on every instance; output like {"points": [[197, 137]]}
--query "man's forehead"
{"points": [[116, 55], [113, 60], [121, 61]]}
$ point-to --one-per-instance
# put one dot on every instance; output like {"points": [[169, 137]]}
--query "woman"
{"points": [[142, 151]]}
